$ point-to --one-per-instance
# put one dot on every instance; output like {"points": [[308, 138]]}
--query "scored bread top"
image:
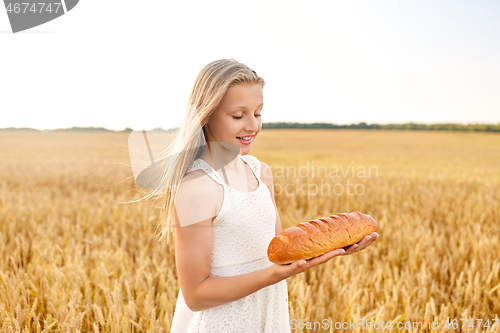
{"points": [[314, 238]]}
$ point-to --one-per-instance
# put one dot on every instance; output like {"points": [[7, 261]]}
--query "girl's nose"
{"points": [[252, 124]]}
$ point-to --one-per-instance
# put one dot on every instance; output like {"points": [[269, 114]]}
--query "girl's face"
{"points": [[237, 117]]}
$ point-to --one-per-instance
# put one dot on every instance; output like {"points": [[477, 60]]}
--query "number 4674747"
{"points": [[35, 8]]}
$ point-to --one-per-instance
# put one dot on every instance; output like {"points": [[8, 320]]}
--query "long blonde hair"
{"points": [[209, 88]]}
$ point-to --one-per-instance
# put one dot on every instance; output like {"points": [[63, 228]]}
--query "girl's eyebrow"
{"points": [[243, 107]]}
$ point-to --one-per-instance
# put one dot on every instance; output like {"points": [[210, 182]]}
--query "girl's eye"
{"points": [[257, 115]]}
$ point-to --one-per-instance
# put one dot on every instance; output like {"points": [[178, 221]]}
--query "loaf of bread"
{"points": [[312, 239]]}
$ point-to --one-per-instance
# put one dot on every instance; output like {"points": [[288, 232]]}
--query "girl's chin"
{"points": [[245, 149]]}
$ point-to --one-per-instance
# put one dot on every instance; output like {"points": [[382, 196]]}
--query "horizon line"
{"points": [[350, 125]]}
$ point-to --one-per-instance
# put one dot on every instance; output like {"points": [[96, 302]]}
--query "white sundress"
{"points": [[241, 234]]}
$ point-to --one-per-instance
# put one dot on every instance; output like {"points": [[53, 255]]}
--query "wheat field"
{"points": [[74, 258]]}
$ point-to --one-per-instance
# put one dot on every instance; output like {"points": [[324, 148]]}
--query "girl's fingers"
{"points": [[306, 264], [363, 244], [325, 257], [351, 249]]}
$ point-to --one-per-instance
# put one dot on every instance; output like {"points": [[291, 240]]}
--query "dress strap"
{"points": [[253, 162], [201, 164]]}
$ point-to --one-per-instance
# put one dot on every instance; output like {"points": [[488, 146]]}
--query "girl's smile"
{"points": [[246, 140]]}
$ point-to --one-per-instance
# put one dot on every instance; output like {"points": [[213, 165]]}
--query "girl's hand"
{"points": [[362, 244], [299, 266]]}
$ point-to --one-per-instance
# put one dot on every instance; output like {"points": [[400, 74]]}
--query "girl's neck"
{"points": [[218, 156]]}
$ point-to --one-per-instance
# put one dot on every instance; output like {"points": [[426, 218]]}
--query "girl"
{"points": [[224, 212]]}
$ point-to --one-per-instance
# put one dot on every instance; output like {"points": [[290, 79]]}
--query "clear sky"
{"points": [[120, 64]]}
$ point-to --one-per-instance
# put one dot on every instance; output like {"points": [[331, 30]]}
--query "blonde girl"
{"points": [[221, 209]]}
